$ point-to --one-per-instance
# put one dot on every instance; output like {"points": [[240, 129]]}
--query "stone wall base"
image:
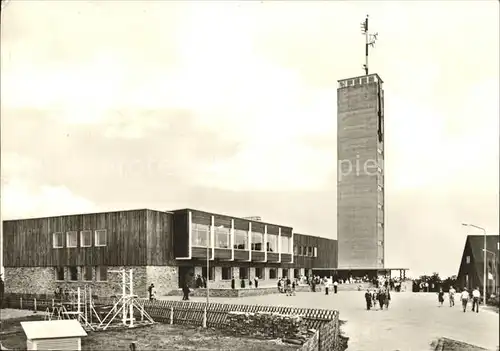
{"points": [[42, 280]]}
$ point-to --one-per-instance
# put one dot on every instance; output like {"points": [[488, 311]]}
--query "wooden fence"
{"points": [[186, 312], [326, 322]]}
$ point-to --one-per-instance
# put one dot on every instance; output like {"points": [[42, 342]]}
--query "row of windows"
{"points": [[243, 273], [311, 251], [200, 236], [100, 238], [81, 273]]}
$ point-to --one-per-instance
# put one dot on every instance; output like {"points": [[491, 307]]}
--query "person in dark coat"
{"points": [[199, 282], [440, 297], [150, 291], [387, 299], [185, 292], [233, 283], [256, 280], [381, 298], [368, 298], [204, 282]]}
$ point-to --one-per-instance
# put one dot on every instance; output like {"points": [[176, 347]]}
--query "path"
{"points": [[412, 322]]}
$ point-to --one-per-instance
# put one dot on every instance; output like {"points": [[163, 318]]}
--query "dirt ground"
{"points": [[156, 337], [8, 313]]}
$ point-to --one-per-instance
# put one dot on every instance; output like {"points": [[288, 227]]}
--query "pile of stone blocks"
{"points": [[267, 325]]}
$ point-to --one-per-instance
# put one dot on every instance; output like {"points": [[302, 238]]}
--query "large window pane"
{"points": [[222, 238], [257, 241], [286, 246], [272, 243], [240, 239], [199, 234], [226, 273]]}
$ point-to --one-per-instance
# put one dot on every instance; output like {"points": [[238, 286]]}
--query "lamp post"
{"points": [[208, 262], [495, 276], [484, 257]]}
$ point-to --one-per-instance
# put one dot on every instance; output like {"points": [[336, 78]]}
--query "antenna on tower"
{"points": [[370, 41]]}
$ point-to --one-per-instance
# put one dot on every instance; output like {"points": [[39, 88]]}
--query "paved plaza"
{"points": [[412, 322]]}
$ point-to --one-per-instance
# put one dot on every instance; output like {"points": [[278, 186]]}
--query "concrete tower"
{"points": [[360, 182]]}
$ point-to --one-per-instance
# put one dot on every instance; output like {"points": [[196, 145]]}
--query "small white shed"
{"points": [[54, 335]]}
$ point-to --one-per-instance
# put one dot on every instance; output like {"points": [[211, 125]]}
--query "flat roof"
{"points": [[37, 330], [363, 76], [230, 216]]}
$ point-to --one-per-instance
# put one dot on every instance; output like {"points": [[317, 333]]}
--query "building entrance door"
{"points": [[186, 276]]}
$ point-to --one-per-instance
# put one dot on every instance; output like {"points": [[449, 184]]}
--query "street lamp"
{"points": [[484, 258], [495, 263]]}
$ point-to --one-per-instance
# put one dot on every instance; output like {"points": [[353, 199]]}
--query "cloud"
{"points": [[22, 201]]}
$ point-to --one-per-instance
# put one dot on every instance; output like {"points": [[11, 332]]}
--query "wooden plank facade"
{"points": [[133, 238], [153, 238], [326, 251]]}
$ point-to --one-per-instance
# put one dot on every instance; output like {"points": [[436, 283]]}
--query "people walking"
{"points": [[335, 286], [387, 299], [476, 298], [368, 299], [440, 297], [451, 296], [185, 292], [327, 286], [288, 287], [256, 281], [465, 298], [381, 298]]}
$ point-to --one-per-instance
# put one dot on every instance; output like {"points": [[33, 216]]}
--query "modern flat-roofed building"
{"points": [[360, 183], [164, 248]]}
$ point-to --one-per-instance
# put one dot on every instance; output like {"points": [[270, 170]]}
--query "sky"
{"points": [[230, 107]]}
